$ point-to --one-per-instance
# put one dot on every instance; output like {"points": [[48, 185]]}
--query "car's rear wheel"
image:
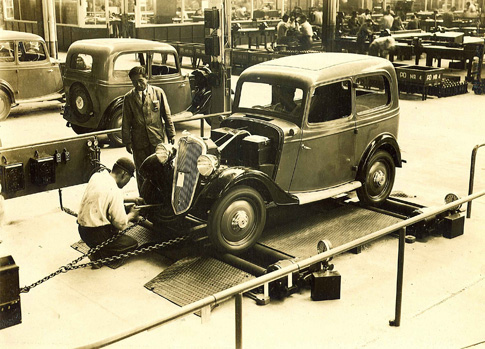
{"points": [[380, 172], [5, 105], [81, 103], [115, 121], [236, 220]]}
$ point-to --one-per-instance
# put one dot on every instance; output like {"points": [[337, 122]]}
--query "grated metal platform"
{"points": [[299, 238], [193, 278], [141, 234]]}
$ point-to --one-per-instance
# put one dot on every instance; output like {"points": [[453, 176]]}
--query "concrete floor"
{"points": [[444, 280]]}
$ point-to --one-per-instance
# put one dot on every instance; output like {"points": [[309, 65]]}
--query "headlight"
{"points": [[207, 164], [164, 152]]}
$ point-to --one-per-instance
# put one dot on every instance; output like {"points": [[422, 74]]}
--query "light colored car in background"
{"points": [[27, 72]]}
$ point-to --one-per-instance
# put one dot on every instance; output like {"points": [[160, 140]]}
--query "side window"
{"points": [[330, 102], [31, 51], [164, 64], [371, 92], [81, 61], [7, 51], [124, 63]]}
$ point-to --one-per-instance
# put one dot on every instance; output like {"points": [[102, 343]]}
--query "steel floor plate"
{"points": [[141, 234], [339, 226], [193, 278]]}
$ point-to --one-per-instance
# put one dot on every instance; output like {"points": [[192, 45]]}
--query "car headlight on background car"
{"points": [[164, 152], [207, 164]]}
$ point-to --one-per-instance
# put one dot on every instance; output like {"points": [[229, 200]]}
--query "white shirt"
{"points": [[102, 203]]}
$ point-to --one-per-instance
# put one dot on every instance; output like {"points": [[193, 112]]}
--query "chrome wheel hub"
{"points": [[240, 220], [379, 178], [79, 102]]}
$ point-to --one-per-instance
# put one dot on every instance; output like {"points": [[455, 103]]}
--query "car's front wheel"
{"points": [[380, 172], [4, 105], [236, 220]]}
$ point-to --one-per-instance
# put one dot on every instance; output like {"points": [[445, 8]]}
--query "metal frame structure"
{"points": [[237, 291]]}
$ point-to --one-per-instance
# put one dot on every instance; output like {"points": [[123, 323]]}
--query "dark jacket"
{"points": [[147, 124]]}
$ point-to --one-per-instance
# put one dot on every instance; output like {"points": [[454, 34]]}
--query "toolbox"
{"points": [[325, 285]]}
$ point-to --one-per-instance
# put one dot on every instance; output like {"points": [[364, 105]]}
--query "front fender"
{"points": [[230, 177], [386, 142]]}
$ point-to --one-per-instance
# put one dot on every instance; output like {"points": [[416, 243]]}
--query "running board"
{"points": [[305, 198]]}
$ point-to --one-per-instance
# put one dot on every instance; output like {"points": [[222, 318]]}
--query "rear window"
{"points": [[164, 64], [81, 61], [124, 62], [31, 51], [7, 51], [372, 92]]}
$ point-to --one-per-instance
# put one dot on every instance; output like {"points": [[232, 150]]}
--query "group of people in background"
{"points": [[295, 29]]}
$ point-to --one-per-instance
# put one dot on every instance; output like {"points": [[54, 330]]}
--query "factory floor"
{"points": [[444, 279]]}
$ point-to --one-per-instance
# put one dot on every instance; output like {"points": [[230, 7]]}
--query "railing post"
{"points": [[400, 274], [238, 302], [472, 179]]}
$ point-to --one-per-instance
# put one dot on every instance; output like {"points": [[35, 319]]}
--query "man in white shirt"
{"points": [[102, 212], [306, 31]]}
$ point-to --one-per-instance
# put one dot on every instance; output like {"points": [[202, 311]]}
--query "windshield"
{"points": [[273, 99]]}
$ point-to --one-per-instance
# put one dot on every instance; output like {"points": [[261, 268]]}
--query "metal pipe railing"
{"points": [[277, 274], [472, 178]]}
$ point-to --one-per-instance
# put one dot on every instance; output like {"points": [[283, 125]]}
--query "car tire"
{"points": [[380, 172], [236, 220], [81, 103], [115, 121], [5, 105]]}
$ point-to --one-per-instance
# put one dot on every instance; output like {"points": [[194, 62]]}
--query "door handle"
{"points": [[303, 146], [182, 85], [50, 70]]}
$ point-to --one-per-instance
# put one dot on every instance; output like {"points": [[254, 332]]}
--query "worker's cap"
{"points": [[126, 165]]}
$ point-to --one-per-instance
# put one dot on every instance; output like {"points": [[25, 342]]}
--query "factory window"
{"points": [[6, 51], [8, 9], [330, 102], [371, 92], [125, 62]]}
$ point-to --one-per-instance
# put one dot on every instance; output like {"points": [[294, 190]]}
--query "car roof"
{"points": [[312, 68], [14, 35], [109, 46]]}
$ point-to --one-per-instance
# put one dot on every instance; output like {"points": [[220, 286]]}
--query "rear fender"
{"points": [[108, 113], [385, 142]]}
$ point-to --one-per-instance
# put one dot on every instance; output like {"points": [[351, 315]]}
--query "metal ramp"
{"points": [[340, 225], [193, 278], [196, 277]]}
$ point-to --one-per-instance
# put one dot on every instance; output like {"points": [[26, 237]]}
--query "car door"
{"points": [[165, 73], [326, 155], [376, 111], [8, 67], [34, 66]]}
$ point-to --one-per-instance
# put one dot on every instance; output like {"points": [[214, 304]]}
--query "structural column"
{"points": [[328, 26]]}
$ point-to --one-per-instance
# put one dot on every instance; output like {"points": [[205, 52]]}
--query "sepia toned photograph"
{"points": [[242, 174]]}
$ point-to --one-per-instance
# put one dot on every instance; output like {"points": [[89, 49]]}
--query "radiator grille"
{"points": [[186, 173]]}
